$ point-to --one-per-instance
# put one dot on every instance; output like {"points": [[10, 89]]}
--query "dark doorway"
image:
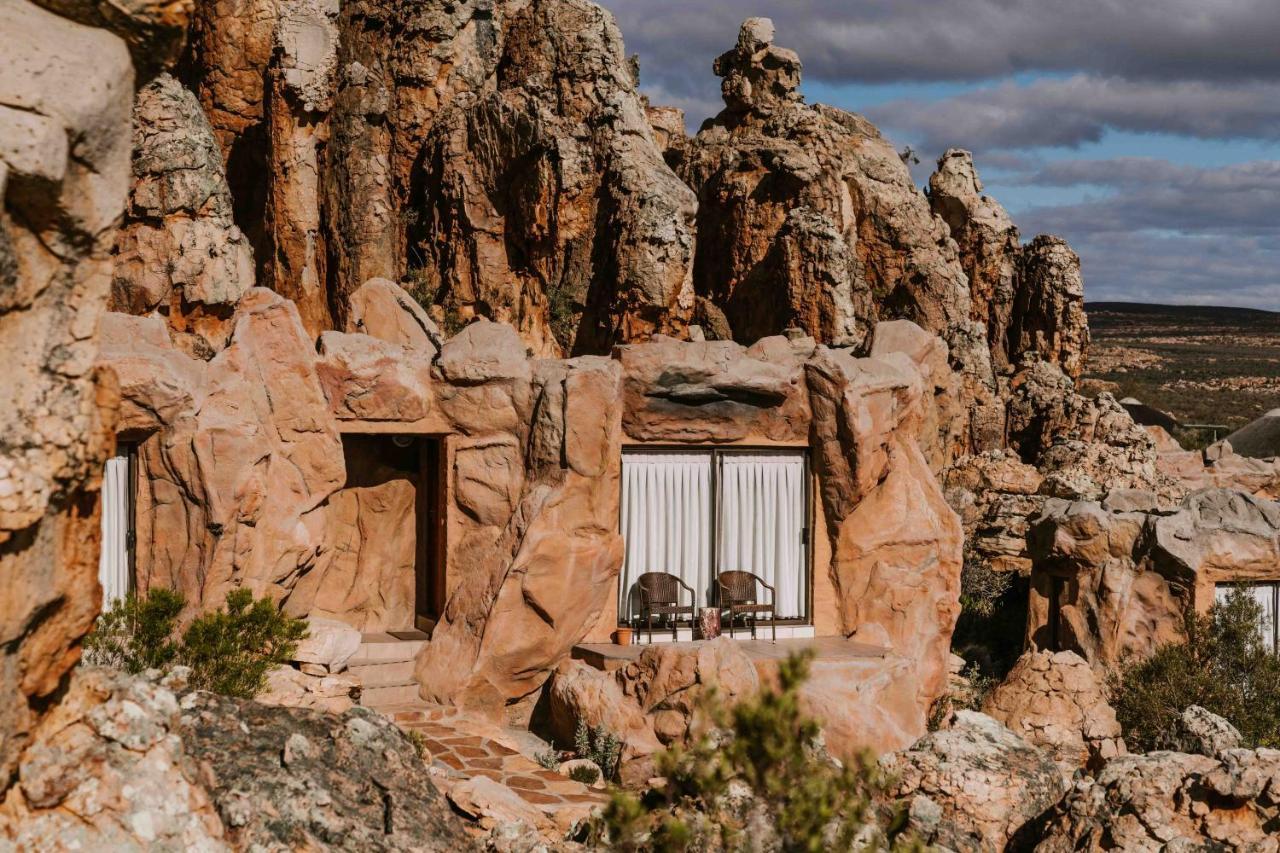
{"points": [[375, 461]]}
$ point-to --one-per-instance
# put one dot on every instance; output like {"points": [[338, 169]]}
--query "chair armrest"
{"points": [[764, 583]]}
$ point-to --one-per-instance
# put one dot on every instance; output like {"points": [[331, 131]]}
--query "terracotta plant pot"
{"points": [[622, 636]]}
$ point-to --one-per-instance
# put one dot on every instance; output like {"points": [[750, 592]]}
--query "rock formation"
{"points": [[123, 763], [1163, 799], [495, 155], [179, 252], [1031, 298], [974, 786], [1056, 702], [65, 96], [808, 217]]}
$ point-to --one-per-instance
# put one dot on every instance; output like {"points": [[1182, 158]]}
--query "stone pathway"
{"points": [[467, 755]]}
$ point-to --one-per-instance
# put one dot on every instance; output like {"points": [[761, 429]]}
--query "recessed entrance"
{"points": [[385, 572]]}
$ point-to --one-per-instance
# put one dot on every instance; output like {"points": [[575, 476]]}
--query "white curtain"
{"points": [[762, 522], [666, 522], [113, 564], [1265, 595]]}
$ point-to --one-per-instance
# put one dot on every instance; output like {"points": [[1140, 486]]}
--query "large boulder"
{"points": [[974, 786], [1207, 733], [1056, 702], [1169, 800]]}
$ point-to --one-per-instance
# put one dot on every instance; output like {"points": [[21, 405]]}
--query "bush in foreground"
{"points": [[1223, 667], [755, 770], [229, 650]]}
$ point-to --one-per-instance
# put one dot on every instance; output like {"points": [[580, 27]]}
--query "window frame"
{"points": [[718, 451]]}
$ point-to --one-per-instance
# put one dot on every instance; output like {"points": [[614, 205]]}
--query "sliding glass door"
{"points": [[694, 514]]}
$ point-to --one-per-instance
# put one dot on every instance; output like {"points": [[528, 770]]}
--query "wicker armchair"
{"points": [[660, 596], [738, 596]]}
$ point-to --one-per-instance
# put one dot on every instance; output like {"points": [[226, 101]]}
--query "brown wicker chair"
{"points": [[660, 596], [738, 596]]}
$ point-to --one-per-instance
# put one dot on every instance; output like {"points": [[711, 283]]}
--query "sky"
{"points": [[1145, 132]]}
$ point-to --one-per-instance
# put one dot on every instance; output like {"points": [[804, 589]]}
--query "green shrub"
{"points": [[136, 634], [768, 746], [1222, 666], [229, 651]]}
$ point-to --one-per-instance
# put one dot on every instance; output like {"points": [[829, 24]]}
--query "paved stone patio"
{"points": [[462, 747]]}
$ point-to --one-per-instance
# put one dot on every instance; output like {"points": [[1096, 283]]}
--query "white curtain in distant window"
{"points": [[1265, 595], [666, 522], [113, 564], [762, 523]]}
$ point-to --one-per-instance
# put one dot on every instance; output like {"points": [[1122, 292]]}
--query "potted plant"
{"points": [[622, 636]]}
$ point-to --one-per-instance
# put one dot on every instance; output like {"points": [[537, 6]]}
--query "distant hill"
{"points": [[1108, 313], [1203, 364]]}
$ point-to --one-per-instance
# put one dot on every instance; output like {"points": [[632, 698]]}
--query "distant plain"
{"points": [[1204, 365]]}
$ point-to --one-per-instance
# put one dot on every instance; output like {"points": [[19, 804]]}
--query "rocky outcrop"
{"points": [[1048, 310], [495, 155], [545, 201], [1056, 702], [997, 496], [1217, 466], [108, 769], [1166, 799], [179, 252], [974, 786], [65, 96], [807, 217], [302, 778], [861, 702], [1126, 574], [651, 702], [1031, 298], [124, 763]]}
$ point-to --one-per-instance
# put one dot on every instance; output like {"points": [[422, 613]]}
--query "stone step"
{"points": [[382, 648], [383, 674], [391, 694]]}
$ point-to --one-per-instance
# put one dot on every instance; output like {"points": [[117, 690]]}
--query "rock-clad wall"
{"points": [[65, 95], [1129, 572]]}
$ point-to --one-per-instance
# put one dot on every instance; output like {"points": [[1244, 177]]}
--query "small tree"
{"points": [[768, 746], [1223, 666]]}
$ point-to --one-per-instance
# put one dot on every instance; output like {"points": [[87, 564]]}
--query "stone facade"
{"points": [[531, 452]]}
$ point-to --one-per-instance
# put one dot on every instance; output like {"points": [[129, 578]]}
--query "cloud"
{"points": [[1241, 200], [1079, 109], [1167, 232], [1146, 267], [880, 41]]}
